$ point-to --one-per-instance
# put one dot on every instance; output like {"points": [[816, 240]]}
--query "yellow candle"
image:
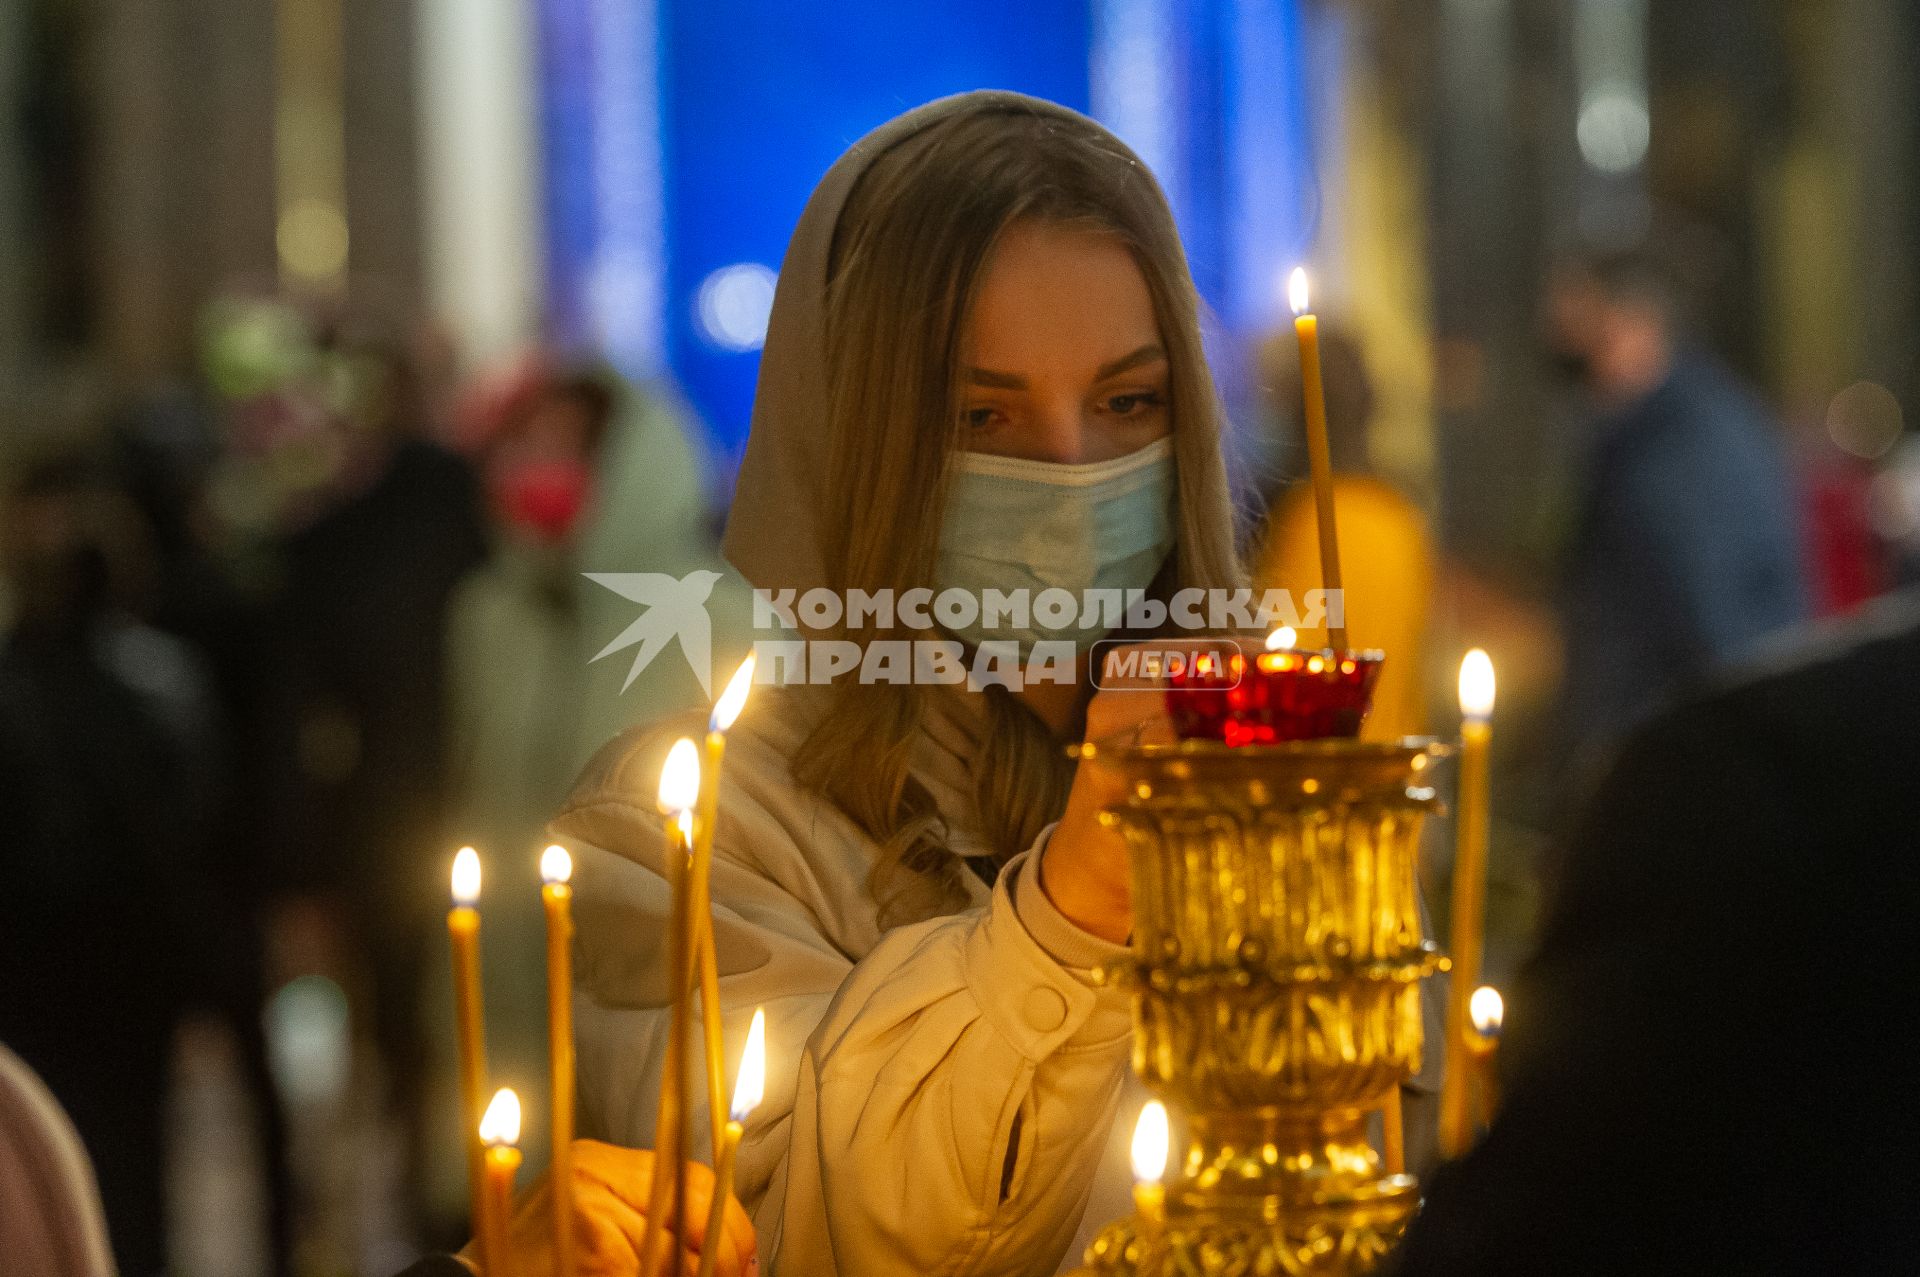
{"points": [[1467, 936], [679, 792], [1487, 1011], [500, 1131], [556, 894], [747, 1090], [1393, 1127], [463, 927], [1306, 326], [1151, 1140], [732, 700]]}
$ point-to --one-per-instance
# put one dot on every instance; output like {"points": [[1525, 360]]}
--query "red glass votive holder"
{"points": [[1269, 697]]}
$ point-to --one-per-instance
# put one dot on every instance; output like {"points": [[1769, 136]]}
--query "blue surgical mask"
{"points": [[1038, 525]]}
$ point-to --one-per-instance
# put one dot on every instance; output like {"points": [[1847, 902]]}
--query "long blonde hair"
{"points": [[907, 256]]}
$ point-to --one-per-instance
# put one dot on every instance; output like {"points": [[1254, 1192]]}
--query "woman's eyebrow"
{"points": [[997, 380], [1147, 354]]}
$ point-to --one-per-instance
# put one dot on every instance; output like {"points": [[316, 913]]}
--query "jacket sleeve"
{"points": [[938, 1106], [952, 1105]]}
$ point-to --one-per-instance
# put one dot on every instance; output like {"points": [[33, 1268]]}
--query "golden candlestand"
{"points": [[1277, 954]]}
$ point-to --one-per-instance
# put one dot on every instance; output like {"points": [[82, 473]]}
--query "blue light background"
{"points": [[756, 98], [763, 97]]}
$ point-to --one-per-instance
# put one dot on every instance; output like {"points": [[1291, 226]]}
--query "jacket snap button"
{"points": [[1046, 1010]]}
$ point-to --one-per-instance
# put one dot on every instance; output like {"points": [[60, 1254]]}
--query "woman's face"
{"points": [[1062, 359]]}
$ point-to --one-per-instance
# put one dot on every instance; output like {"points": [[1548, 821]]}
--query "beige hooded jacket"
{"points": [[940, 1096]]}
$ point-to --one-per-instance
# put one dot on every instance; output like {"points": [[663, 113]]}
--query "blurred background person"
{"points": [[582, 472], [1670, 1101], [368, 558], [164, 446], [1386, 549], [1834, 455], [346, 527], [1686, 547], [109, 774]]}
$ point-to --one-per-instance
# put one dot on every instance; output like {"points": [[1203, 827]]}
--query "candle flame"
{"points": [[752, 1082], [680, 778], [1487, 1010], [733, 699], [501, 1123], [1476, 685], [1150, 1141], [466, 878], [556, 866], [1282, 639], [1297, 290]]}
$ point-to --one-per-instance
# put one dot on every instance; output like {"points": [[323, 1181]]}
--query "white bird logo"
{"points": [[676, 608]]}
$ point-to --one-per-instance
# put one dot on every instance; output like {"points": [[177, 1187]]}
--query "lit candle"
{"points": [[747, 1090], [463, 926], [556, 894], [1487, 1011], [500, 1132], [1276, 694], [725, 710], [1151, 1141], [679, 793], [1306, 326], [1467, 936]]}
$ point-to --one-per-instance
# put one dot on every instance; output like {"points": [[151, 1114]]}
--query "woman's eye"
{"points": [[979, 418], [1132, 405]]}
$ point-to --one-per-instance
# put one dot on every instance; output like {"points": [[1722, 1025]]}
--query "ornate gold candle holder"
{"points": [[1277, 955]]}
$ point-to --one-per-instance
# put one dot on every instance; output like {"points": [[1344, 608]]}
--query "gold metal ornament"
{"points": [[1275, 976]]}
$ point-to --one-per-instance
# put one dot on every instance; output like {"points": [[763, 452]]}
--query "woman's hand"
{"points": [[610, 1188], [1084, 868]]}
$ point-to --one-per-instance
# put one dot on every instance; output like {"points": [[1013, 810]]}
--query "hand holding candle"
{"points": [[1467, 934], [610, 1190], [556, 896], [747, 1091]]}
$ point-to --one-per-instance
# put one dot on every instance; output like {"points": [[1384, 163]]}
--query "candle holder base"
{"points": [[1331, 1234], [1275, 978]]}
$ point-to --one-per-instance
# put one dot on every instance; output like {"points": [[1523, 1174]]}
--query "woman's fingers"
{"points": [[736, 1240], [737, 1237], [628, 1170], [627, 1174]]}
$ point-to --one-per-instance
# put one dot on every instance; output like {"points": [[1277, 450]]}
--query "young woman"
{"points": [[983, 370]]}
